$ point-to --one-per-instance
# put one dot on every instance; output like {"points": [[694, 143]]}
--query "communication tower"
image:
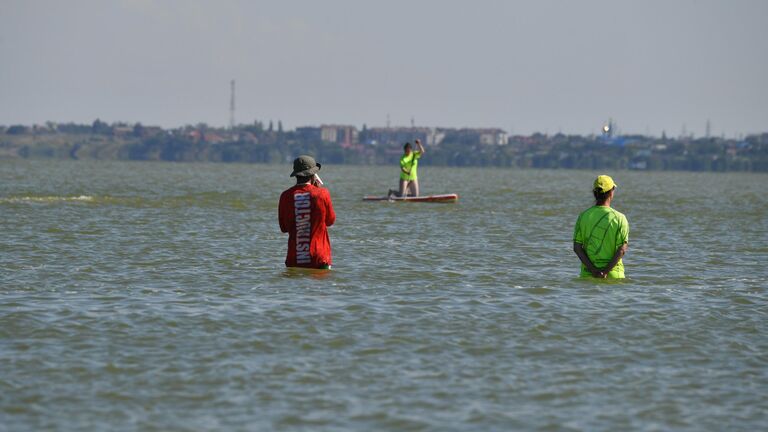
{"points": [[232, 104]]}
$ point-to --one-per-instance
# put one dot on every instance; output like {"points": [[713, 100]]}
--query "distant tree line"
{"points": [[257, 143]]}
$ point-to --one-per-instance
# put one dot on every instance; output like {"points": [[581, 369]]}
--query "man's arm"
{"points": [[616, 257], [421, 147], [330, 215], [578, 248], [281, 215]]}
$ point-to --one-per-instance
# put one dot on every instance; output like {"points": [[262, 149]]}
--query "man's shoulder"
{"points": [[588, 211], [314, 191], [321, 192], [599, 212], [619, 214], [287, 192]]}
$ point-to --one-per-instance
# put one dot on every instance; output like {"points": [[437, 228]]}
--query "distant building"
{"points": [[308, 134], [208, 136], [249, 138], [339, 134], [46, 128], [489, 136], [17, 130], [401, 135], [213, 138], [492, 136], [435, 138], [150, 131], [122, 130], [195, 135]]}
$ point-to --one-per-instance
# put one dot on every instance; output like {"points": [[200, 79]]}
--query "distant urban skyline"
{"points": [[526, 67], [684, 132]]}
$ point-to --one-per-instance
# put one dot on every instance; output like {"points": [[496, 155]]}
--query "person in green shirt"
{"points": [[409, 164], [601, 235]]}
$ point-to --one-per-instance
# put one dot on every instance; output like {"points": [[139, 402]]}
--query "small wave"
{"points": [[47, 199], [203, 200]]}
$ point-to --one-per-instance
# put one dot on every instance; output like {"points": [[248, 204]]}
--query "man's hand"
{"points": [[421, 147]]}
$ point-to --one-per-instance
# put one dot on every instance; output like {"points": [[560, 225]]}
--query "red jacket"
{"points": [[305, 212]]}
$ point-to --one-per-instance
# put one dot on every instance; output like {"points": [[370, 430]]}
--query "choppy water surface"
{"points": [[153, 296]]}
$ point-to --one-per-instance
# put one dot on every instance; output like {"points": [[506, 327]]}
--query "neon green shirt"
{"points": [[410, 163], [602, 230]]}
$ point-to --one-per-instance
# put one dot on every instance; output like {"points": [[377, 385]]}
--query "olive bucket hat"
{"points": [[305, 166]]}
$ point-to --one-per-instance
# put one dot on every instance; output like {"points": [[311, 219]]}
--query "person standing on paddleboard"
{"points": [[601, 235], [305, 212], [409, 163]]}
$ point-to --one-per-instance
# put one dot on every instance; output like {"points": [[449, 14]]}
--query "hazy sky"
{"points": [[524, 66]]}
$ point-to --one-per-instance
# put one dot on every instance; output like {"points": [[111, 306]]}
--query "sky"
{"points": [[528, 66]]}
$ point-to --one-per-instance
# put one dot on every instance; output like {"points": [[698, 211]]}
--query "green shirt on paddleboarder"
{"points": [[409, 164], [601, 234]]}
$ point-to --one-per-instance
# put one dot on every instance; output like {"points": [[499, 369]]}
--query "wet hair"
{"points": [[407, 146], [601, 197]]}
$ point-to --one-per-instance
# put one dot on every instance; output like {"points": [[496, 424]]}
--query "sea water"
{"points": [[153, 296]]}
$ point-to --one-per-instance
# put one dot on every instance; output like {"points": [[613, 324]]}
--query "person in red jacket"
{"points": [[305, 212]]}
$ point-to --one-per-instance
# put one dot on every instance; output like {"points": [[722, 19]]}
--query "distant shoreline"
{"points": [[344, 144]]}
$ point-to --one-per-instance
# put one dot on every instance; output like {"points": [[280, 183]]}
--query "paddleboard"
{"points": [[445, 198]]}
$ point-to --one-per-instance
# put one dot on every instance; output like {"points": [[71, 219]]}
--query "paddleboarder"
{"points": [[305, 212], [601, 235], [409, 163]]}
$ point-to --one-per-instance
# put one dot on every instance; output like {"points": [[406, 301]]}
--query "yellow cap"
{"points": [[604, 184]]}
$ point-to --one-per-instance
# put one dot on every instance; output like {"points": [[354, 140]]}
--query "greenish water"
{"points": [[152, 296]]}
